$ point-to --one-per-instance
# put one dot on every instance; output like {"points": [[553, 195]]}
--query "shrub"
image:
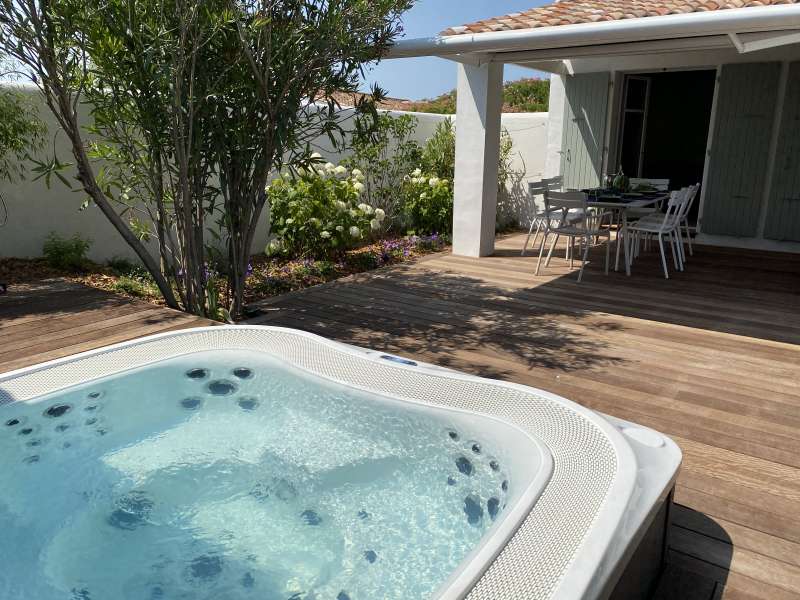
{"points": [[122, 266], [319, 214], [66, 254], [134, 286], [439, 152], [385, 154], [442, 105], [527, 95], [428, 206]]}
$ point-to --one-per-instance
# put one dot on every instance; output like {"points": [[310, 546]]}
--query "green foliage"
{"points": [[385, 153], [428, 206], [442, 105], [139, 287], [20, 131], [120, 265], [504, 164], [319, 214], [66, 254], [525, 95], [439, 153]]}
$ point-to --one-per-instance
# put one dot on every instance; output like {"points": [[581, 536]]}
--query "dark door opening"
{"points": [[664, 126]]}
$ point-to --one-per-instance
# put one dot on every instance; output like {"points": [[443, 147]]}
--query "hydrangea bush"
{"points": [[319, 213], [428, 204]]}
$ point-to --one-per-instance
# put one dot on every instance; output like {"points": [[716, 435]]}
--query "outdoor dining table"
{"points": [[622, 202]]}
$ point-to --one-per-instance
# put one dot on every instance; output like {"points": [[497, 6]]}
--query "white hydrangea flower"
{"points": [[355, 232], [433, 181], [340, 170], [365, 208], [274, 245], [289, 221], [416, 172], [315, 221], [325, 234], [357, 174], [329, 166], [375, 224], [322, 172], [353, 213], [316, 155], [340, 228], [380, 214], [341, 205], [358, 187], [423, 195]]}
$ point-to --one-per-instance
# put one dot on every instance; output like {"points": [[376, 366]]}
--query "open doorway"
{"points": [[664, 126]]}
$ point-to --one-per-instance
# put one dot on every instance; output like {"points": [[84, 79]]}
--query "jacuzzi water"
{"points": [[231, 475]]}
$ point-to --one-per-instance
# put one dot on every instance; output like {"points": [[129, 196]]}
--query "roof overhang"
{"points": [[745, 29]]}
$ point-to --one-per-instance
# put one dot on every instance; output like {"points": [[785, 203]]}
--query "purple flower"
{"points": [[249, 271]]}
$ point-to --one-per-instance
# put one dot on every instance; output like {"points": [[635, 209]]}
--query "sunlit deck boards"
{"points": [[50, 319], [710, 357]]}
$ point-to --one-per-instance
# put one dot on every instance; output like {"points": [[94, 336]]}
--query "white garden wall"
{"points": [[34, 210]]}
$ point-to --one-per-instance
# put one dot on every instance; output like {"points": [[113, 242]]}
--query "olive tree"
{"points": [[194, 103]]}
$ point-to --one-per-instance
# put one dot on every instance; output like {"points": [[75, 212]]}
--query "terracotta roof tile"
{"points": [[567, 12]]}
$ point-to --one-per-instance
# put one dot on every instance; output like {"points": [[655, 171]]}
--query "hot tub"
{"points": [[261, 462]]}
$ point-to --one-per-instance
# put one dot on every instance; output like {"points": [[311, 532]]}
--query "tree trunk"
{"points": [[89, 182]]}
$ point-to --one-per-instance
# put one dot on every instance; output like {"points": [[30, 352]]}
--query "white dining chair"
{"points": [[661, 226], [682, 217], [558, 206], [685, 218], [536, 190]]}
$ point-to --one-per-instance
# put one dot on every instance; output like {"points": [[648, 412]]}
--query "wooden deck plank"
{"points": [[55, 318]]}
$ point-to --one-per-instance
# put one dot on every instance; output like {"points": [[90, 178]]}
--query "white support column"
{"points": [[479, 108]]}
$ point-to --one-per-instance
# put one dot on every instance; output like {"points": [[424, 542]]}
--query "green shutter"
{"points": [[584, 129], [783, 214], [739, 152]]}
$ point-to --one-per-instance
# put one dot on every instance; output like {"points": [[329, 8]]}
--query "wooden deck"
{"points": [[49, 319], [710, 357]]}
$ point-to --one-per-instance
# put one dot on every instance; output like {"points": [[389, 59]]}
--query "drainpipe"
{"points": [[719, 22]]}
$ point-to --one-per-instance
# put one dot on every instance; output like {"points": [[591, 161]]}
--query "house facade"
{"points": [[694, 92]]}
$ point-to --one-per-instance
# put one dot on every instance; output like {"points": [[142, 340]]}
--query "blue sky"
{"points": [[417, 78]]}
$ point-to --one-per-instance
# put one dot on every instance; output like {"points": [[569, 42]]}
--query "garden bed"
{"points": [[271, 276]]}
